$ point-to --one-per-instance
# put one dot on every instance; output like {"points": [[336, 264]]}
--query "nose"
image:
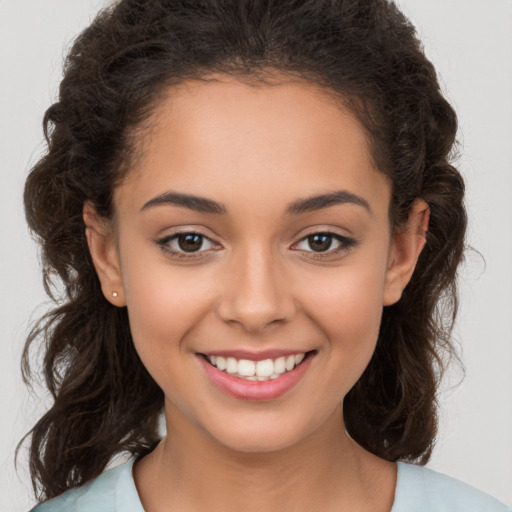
{"points": [[256, 291]]}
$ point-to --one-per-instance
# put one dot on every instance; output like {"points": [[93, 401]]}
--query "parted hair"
{"points": [[367, 53]]}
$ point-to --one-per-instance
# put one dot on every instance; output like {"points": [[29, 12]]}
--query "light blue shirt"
{"points": [[418, 489]]}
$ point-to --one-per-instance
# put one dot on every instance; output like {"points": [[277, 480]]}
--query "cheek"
{"points": [[355, 307], [350, 313], [164, 302]]}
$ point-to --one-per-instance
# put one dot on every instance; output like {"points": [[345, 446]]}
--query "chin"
{"points": [[261, 435], [258, 442]]}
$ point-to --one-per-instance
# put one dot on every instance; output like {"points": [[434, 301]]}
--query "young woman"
{"points": [[252, 209]]}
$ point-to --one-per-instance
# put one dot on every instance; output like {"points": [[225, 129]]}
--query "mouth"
{"points": [[257, 370], [256, 379]]}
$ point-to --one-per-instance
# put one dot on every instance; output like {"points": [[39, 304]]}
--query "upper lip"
{"points": [[255, 356]]}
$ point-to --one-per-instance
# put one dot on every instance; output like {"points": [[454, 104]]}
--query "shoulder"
{"points": [[112, 491], [420, 489]]}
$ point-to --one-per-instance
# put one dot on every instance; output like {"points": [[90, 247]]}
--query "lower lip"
{"points": [[256, 390]]}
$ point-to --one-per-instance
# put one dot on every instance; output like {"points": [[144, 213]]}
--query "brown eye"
{"points": [[190, 242], [186, 244], [325, 244], [320, 242]]}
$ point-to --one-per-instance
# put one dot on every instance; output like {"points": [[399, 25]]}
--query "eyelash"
{"points": [[345, 244], [163, 243]]}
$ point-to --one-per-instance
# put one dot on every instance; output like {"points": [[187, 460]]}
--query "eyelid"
{"points": [[346, 243], [164, 242]]}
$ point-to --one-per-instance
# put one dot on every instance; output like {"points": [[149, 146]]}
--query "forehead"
{"points": [[226, 137]]}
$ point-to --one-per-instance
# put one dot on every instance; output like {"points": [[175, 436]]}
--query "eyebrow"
{"points": [[303, 205], [196, 203], [313, 203]]}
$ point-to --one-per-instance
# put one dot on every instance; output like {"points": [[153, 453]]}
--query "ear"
{"points": [[405, 250], [104, 254]]}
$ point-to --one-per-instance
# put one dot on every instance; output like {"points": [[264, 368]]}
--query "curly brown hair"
{"points": [[364, 51]]}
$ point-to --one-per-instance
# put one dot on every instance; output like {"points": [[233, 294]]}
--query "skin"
{"points": [[256, 283]]}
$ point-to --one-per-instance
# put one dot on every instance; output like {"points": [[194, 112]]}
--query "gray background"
{"points": [[470, 42]]}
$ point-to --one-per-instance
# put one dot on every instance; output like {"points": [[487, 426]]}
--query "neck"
{"points": [[190, 471]]}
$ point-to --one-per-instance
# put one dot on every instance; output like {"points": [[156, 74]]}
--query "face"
{"points": [[285, 250]]}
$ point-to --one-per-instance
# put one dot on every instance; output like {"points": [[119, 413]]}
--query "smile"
{"points": [[256, 379], [267, 369]]}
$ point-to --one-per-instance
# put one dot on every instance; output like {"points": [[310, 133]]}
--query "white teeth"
{"points": [[266, 369], [231, 365], [280, 365], [246, 368]]}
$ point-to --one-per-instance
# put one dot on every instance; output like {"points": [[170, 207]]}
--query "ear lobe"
{"points": [[104, 254], [405, 250]]}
